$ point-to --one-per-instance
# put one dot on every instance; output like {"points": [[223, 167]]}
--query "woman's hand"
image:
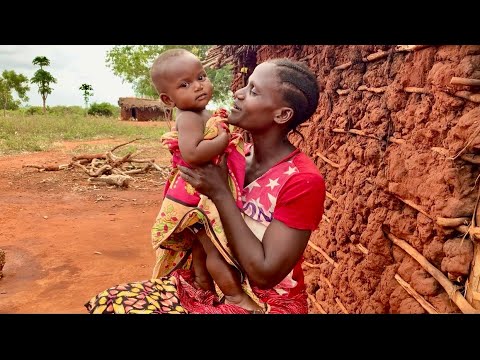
{"points": [[209, 179]]}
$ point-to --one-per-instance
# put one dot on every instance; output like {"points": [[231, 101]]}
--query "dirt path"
{"points": [[66, 238]]}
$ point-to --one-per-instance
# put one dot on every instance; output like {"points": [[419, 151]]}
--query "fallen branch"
{"points": [[89, 157], [451, 289], [117, 180], [424, 303], [48, 167]]}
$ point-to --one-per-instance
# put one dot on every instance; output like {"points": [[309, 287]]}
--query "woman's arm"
{"points": [[194, 149], [266, 262]]}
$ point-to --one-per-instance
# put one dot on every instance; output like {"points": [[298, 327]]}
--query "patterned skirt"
{"points": [[176, 294]]}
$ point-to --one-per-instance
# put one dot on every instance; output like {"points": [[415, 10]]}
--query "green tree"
{"points": [[12, 81], [87, 93], [132, 63], [43, 79]]}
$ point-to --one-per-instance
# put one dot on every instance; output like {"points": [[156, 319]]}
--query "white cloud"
{"points": [[71, 65]]}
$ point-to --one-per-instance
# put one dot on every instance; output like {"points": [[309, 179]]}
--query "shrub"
{"points": [[103, 109]]}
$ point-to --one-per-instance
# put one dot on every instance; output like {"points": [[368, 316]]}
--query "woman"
{"points": [[283, 203]]}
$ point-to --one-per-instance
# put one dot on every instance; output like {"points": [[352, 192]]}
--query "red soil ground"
{"points": [[65, 238]]}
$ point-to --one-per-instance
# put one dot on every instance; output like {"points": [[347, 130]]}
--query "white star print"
{"points": [[290, 170], [273, 202], [252, 185], [273, 183]]}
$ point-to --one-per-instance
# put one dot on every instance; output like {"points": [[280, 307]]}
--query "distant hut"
{"points": [[140, 109]]}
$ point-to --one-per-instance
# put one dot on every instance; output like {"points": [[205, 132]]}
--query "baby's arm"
{"points": [[194, 149]]}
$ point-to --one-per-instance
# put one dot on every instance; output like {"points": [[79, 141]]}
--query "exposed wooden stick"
{"points": [[325, 218], [378, 90], [452, 222], [424, 303], [362, 248], [396, 141], [310, 265], [304, 125], [326, 281], [330, 162], [451, 289], [376, 56], [464, 81], [416, 90], [362, 133], [343, 66], [355, 132], [473, 289], [344, 91], [401, 48], [469, 141], [468, 96], [471, 158], [330, 196], [415, 206], [340, 305], [324, 254], [316, 304]]}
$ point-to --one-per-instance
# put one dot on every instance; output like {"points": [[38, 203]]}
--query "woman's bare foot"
{"points": [[244, 301]]}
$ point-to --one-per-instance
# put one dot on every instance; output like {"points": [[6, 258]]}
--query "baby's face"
{"points": [[187, 84]]}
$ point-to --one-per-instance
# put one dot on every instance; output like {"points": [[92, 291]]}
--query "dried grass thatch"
{"points": [[128, 103]]}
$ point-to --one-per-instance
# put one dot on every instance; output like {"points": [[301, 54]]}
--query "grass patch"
{"points": [[20, 133]]}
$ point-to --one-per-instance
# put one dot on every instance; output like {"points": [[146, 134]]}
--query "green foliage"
{"points": [[132, 63], [12, 81], [43, 79], [103, 109], [87, 93]]}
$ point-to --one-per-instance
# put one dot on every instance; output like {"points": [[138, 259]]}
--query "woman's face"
{"points": [[255, 104]]}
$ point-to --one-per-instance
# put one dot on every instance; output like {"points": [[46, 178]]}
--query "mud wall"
{"points": [[396, 140]]}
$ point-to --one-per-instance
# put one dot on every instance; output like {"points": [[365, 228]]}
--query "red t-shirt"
{"points": [[300, 201]]}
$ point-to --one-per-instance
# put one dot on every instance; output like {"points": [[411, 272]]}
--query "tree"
{"points": [[43, 79], [87, 92], [12, 81], [132, 63]]}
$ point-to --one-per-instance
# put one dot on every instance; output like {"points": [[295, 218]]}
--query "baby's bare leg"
{"points": [[225, 275], [199, 261]]}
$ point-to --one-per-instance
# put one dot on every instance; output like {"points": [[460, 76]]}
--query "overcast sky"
{"points": [[71, 65]]}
